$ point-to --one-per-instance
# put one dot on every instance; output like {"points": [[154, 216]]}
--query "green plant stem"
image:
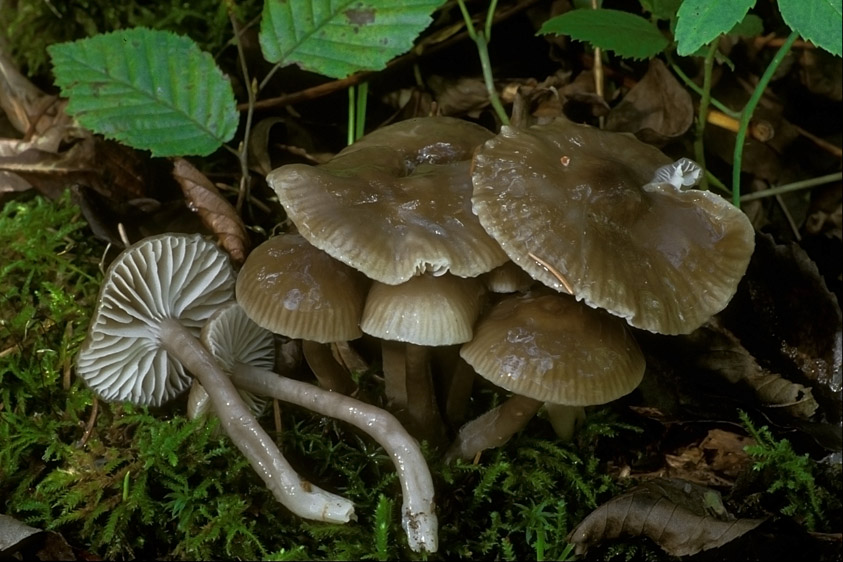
{"points": [[360, 110], [481, 40], [795, 186], [749, 109], [251, 87], [691, 84], [715, 181], [352, 92], [702, 113]]}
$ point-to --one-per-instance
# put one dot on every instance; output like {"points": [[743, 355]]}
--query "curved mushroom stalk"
{"points": [[418, 511], [305, 500], [232, 337], [494, 428], [142, 339]]}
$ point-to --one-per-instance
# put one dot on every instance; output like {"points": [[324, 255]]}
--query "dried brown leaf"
{"points": [[657, 109], [215, 211], [683, 518], [727, 357]]}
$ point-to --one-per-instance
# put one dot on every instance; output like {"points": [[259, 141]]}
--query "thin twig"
{"points": [[251, 88], [555, 272], [89, 427], [804, 184]]}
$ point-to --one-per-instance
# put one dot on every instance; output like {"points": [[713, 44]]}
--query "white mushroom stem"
{"points": [[300, 497], [418, 512], [564, 419], [494, 428]]}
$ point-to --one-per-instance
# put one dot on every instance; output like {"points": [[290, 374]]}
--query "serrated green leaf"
{"points": [[340, 37], [818, 21], [626, 34], [152, 90], [701, 21]]}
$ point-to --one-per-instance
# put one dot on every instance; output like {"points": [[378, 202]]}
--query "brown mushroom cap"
{"points": [[396, 203], [550, 347], [289, 287], [581, 201], [425, 310]]}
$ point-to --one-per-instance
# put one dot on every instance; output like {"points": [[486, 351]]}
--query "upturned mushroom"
{"points": [[231, 336], [142, 342], [612, 221], [546, 348]]}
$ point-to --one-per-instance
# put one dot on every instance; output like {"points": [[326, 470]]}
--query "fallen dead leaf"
{"points": [[215, 211], [683, 518], [657, 109]]}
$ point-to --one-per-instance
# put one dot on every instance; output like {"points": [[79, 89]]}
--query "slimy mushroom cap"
{"points": [[551, 348], [579, 210], [396, 203]]}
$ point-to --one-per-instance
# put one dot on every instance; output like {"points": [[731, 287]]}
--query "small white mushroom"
{"points": [[143, 338]]}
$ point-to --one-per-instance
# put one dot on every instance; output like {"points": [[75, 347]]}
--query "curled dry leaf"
{"points": [[681, 517], [215, 211], [726, 356], [796, 321], [657, 109]]}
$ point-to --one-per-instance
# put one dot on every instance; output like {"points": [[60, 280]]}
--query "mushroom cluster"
{"points": [[526, 256], [425, 206], [396, 206]]}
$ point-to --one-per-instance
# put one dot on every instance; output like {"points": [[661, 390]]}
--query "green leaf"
{"points": [[340, 37], [750, 26], [661, 9], [701, 21], [626, 34], [148, 89], [817, 21]]}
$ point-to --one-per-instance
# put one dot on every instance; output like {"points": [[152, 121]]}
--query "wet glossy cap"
{"points": [[426, 310], [552, 348], [582, 211], [396, 203], [289, 287]]}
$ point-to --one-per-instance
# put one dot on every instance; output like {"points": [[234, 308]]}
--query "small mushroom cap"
{"points": [[425, 310], [550, 347], [183, 277], [233, 338], [396, 203], [289, 287], [577, 209], [507, 278]]}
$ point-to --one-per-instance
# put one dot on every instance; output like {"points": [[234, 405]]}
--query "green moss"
{"points": [[787, 478]]}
